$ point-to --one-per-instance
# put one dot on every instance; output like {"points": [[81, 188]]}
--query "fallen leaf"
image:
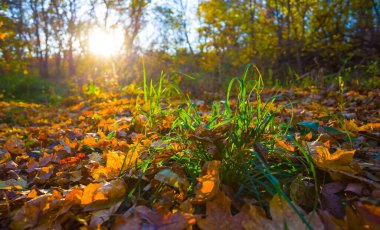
{"points": [[286, 217], [339, 160], [208, 182], [13, 184], [133, 222], [29, 214], [352, 126], [169, 177], [116, 162], [5, 157], [103, 195], [14, 146], [156, 220], [74, 196], [252, 217], [101, 216], [285, 145], [370, 214], [218, 213]]}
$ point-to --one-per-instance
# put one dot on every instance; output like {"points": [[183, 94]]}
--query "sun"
{"points": [[105, 43]]}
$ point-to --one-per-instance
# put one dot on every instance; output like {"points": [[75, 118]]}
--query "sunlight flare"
{"points": [[105, 43]]}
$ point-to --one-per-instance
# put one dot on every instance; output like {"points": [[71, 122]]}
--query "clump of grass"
{"points": [[155, 96], [244, 132]]}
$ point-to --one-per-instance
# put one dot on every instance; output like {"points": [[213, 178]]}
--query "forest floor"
{"points": [[275, 159]]}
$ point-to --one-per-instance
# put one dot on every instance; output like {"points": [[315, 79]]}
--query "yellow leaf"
{"points": [[352, 126], [339, 160], [116, 162]]}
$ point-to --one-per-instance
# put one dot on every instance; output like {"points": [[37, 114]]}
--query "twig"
{"points": [[374, 184]]}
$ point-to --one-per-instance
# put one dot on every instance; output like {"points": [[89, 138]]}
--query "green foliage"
{"points": [[29, 88], [91, 90]]}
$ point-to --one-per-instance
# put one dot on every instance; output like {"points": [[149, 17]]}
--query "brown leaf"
{"points": [[13, 184], [29, 214], [286, 217], [333, 204], [252, 217], [218, 213], [14, 146], [101, 216], [5, 157], [132, 222], [156, 220], [370, 214]]}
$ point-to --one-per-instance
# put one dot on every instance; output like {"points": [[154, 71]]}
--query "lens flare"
{"points": [[105, 43]]}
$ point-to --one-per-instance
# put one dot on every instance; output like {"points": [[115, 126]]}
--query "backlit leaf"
{"points": [[208, 182]]}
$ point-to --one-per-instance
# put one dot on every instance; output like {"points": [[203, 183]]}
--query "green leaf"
{"points": [[314, 125], [111, 135], [332, 130]]}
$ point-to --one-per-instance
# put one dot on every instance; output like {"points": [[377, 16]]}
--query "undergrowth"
{"points": [[240, 131]]}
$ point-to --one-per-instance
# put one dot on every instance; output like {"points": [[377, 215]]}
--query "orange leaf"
{"points": [[208, 183], [340, 160], [285, 145], [14, 146], [104, 195], [116, 162], [89, 194], [5, 157], [74, 196]]}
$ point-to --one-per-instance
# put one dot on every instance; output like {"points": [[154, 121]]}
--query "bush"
{"points": [[29, 88]]}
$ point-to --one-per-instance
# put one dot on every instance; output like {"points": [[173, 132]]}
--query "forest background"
{"points": [[45, 53]]}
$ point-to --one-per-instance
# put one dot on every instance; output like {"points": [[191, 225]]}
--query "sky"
{"points": [[150, 32]]}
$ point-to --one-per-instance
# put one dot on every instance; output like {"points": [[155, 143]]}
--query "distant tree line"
{"points": [[287, 39]]}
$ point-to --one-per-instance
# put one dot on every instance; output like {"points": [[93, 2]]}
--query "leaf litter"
{"points": [[99, 164]]}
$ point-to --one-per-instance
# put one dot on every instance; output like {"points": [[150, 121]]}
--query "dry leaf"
{"points": [[29, 214], [218, 213], [253, 218], [171, 178], [339, 160], [101, 216], [286, 217], [5, 157], [104, 195], [156, 220], [208, 182], [14, 146]]}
